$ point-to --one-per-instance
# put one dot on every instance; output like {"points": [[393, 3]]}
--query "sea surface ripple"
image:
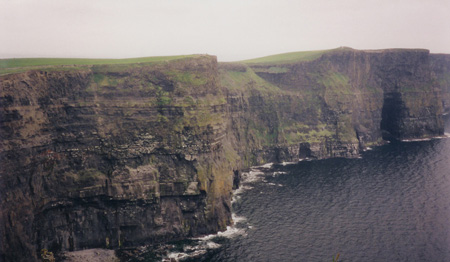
{"points": [[393, 204]]}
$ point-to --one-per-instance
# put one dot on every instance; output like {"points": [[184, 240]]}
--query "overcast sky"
{"points": [[230, 29]]}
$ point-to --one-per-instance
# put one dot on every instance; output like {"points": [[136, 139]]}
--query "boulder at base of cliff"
{"points": [[92, 255]]}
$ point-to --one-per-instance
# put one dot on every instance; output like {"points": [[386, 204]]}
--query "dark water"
{"points": [[393, 204]]}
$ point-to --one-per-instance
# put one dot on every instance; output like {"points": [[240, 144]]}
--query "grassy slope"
{"points": [[25, 62], [332, 86], [244, 81], [288, 57], [15, 65], [294, 57]]}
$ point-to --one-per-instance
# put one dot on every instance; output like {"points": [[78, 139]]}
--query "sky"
{"points": [[230, 29]]}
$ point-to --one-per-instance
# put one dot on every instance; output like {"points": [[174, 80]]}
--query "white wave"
{"points": [[273, 184], [241, 189], [234, 199], [182, 255], [237, 192], [212, 245], [416, 140], [207, 242], [231, 232], [268, 165], [288, 163], [446, 135], [368, 149], [252, 176], [255, 172], [176, 256], [277, 173], [237, 218]]}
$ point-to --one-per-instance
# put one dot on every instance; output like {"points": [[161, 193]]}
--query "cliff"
{"points": [[112, 156], [440, 65], [335, 103], [120, 155]]}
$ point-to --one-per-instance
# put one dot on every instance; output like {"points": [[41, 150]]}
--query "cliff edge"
{"points": [[116, 155]]}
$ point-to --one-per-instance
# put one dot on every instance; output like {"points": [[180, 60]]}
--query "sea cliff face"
{"points": [[336, 104], [440, 65], [112, 156], [118, 156]]}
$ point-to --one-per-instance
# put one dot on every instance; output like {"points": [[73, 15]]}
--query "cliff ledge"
{"points": [[125, 154]]}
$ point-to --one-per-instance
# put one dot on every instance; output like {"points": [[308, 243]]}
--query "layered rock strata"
{"points": [[117, 156], [112, 156], [440, 65]]}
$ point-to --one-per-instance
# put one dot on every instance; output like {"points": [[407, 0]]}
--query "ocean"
{"points": [[391, 204]]}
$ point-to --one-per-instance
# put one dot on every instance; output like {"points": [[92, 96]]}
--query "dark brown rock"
{"points": [[125, 155]]}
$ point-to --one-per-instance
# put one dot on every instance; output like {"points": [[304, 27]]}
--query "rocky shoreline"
{"points": [[122, 156]]}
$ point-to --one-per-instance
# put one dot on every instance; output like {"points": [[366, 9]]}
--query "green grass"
{"points": [[17, 65], [288, 57], [271, 70], [235, 80], [27, 62], [295, 132], [15, 70], [189, 78], [336, 81]]}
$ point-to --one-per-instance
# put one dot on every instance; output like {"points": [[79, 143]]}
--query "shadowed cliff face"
{"points": [[359, 98], [112, 156], [440, 64], [392, 114], [123, 155], [412, 97]]}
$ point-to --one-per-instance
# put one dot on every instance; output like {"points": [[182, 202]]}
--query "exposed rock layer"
{"points": [[440, 65], [122, 155]]}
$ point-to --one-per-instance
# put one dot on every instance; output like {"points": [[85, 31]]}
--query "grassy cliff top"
{"points": [[294, 57], [288, 57], [15, 65], [26, 62]]}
